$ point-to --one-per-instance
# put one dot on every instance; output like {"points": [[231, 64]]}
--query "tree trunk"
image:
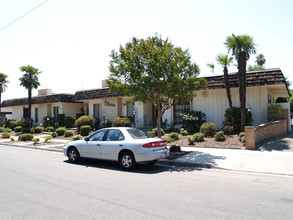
{"points": [[30, 108], [227, 86], [159, 123], [242, 87]]}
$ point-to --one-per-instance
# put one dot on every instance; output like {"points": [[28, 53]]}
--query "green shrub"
{"points": [[121, 122], [85, 130], [86, 120], [47, 139], [174, 135], [1, 129], [48, 121], [78, 115], [183, 132], [38, 129], [25, 137], [228, 129], [26, 130], [190, 141], [237, 113], [18, 129], [5, 135], [198, 137], [151, 134], [36, 140], [69, 122], [193, 120], [242, 137], [76, 138], [68, 133], [12, 124], [54, 134], [50, 129], [169, 139], [274, 112], [106, 123], [220, 136], [61, 131], [8, 130], [208, 129], [155, 131], [175, 148], [12, 139], [61, 119]]}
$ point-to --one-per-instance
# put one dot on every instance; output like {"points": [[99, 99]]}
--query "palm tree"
{"points": [[225, 61], [212, 66], [260, 60], [3, 85], [29, 80], [242, 47]]}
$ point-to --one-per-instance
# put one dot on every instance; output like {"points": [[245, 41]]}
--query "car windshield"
{"points": [[137, 134]]}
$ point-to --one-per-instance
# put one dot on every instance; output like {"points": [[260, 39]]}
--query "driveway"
{"points": [[283, 144]]}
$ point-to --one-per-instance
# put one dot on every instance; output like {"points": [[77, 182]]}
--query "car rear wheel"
{"points": [[127, 160], [73, 155]]}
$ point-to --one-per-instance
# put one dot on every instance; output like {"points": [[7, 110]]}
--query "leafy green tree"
{"points": [[242, 47], [154, 70], [260, 61], [30, 81], [3, 85], [225, 61]]}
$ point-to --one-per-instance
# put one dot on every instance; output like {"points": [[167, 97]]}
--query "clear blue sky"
{"points": [[70, 40]]}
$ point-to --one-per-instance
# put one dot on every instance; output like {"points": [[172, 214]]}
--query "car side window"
{"points": [[98, 136], [114, 135]]}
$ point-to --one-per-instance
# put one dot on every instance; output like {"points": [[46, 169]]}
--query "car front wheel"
{"points": [[73, 155], [127, 160]]}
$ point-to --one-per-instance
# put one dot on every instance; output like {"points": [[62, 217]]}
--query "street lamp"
{"points": [[133, 113]]}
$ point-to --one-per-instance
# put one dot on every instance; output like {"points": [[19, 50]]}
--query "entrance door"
{"points": [[97, 111]]}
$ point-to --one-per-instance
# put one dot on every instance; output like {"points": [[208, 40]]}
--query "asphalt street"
{"points": [[38, 184]]}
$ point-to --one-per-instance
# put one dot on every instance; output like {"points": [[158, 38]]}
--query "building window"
{"points": [[179, 109], [36, 115], [55, 113]]}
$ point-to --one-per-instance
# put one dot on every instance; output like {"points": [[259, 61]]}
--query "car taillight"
{"points": [[155, 144]]}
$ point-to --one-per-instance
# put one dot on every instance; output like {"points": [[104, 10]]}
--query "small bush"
{"points": [[1, 129], [169, 139], [8, 130], [26, 130], [274, 112], [208, 129], [48, 138], [174, 135], [11, 124], [220, 136], [85, 130], [36, 140], [237, 114], [193, 120], [190, 141], [86, 120], [69, 122], [183, 132], [38, 129], [18, 129], [155, 131], [228, 129], [121, 122], [175, 148], [50, 129], [76, 138], [54, 134], [25, 137], [151, 134], [106, 123], [5, 135], [198, 137], [242, 137], [12, 139], [68, 133], [61, 131]]}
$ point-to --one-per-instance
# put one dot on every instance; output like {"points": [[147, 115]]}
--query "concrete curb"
{"points": [[30, 147]]}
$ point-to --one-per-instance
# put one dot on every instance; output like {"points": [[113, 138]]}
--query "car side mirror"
{"points": [[86, 138]]}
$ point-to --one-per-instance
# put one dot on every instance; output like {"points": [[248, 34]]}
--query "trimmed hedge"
{"points": [[220, 136], [25, 137], [18, 129], [5, 135], [86, 120], [174, 136], [60, 131], [198, 137], [121, 122], [274, 112], [85, 130], [38, 129], [208, 128], [175, 148], [68, 133]]}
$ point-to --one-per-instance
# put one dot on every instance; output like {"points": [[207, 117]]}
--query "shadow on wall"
{"points": [[201, 158]]}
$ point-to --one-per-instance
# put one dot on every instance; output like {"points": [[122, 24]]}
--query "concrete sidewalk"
{"points": [[273, 162]]}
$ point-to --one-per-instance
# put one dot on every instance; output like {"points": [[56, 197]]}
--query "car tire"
{"points": [[73, 155], [127, 160]]}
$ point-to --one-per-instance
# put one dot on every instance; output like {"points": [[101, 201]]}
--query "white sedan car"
{"points": [[124, 144]]}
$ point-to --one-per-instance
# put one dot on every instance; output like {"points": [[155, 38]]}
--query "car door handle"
{"points": [[98, 145]]}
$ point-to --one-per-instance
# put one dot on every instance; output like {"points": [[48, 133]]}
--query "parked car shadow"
{"points": [[283, 143], [139, 169]]}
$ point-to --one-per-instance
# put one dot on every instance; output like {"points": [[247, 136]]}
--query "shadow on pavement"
{"points": [[139, 169], [283, 143]]}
